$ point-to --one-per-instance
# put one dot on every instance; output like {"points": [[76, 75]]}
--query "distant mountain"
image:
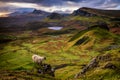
{"points": [[81, 12], [28, 12], [17, 13], [55, 16], [21, 11], [39, 12], [84, 11], [21, 17]]}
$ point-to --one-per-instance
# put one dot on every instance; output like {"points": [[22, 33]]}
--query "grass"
{"points": [[18, 57], [90, 19], [66, 52], [99, 72], [51, 20], [93, 38], [15, 60]]}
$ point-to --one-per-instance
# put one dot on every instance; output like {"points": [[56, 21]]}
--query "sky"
{"points": [[63, 6]]}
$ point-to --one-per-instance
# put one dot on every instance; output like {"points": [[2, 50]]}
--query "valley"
{"points": [[70, 44]]}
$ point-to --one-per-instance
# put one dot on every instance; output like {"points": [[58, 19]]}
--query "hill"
{"points": [[28, 12], [92, 39], [84, 11], [107, 46], [55, 16], [22, 18]]}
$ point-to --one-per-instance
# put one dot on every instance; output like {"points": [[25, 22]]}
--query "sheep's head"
{"points": [[44, 58]]}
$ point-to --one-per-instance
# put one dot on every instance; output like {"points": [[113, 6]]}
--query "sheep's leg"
{"points": [[40, 63], [33, 68]]}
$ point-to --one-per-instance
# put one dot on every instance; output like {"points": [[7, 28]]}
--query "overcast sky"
{"points": [[57, 5]]}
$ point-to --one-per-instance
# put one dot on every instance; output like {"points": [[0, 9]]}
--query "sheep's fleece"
{"points": [[38, 59]]}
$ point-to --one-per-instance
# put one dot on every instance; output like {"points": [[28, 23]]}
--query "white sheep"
{"points": [[38, 59]]}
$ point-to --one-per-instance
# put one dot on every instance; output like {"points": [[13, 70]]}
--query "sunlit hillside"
{"points": [[72, 47]]}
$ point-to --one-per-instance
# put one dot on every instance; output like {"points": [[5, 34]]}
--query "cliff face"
{"points": [[82, 12]]}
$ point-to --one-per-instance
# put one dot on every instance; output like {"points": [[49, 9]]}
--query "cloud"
{"points": [[57, 5], [109, 4], [75, 0], [30, 1], [4, 7]]}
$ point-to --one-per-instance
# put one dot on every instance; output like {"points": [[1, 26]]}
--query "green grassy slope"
{"points": [[107, 47], [67, 52], [92, 39], [107, 69], [69, 57]]}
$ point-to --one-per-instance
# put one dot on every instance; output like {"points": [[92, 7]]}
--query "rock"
{"points": [[110, 66], [45, 69], [106, 57], [92, 64]]}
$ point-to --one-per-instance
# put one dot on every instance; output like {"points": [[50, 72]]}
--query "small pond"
{"points": [[55, 28]]}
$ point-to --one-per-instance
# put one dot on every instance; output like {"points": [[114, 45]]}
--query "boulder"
{"points": [[45, 69], [93, 63]]}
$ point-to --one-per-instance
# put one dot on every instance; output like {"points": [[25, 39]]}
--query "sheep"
{"points": [[38, 59]]}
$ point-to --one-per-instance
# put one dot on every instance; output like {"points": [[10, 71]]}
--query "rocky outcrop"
{"points": [[45, 69], [104, 61], [92, 64], [85, 11], [81, 12], [109, 66]]}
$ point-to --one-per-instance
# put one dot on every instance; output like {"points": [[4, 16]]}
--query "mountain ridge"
{"points": [[33, 12], [85, 11]]}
